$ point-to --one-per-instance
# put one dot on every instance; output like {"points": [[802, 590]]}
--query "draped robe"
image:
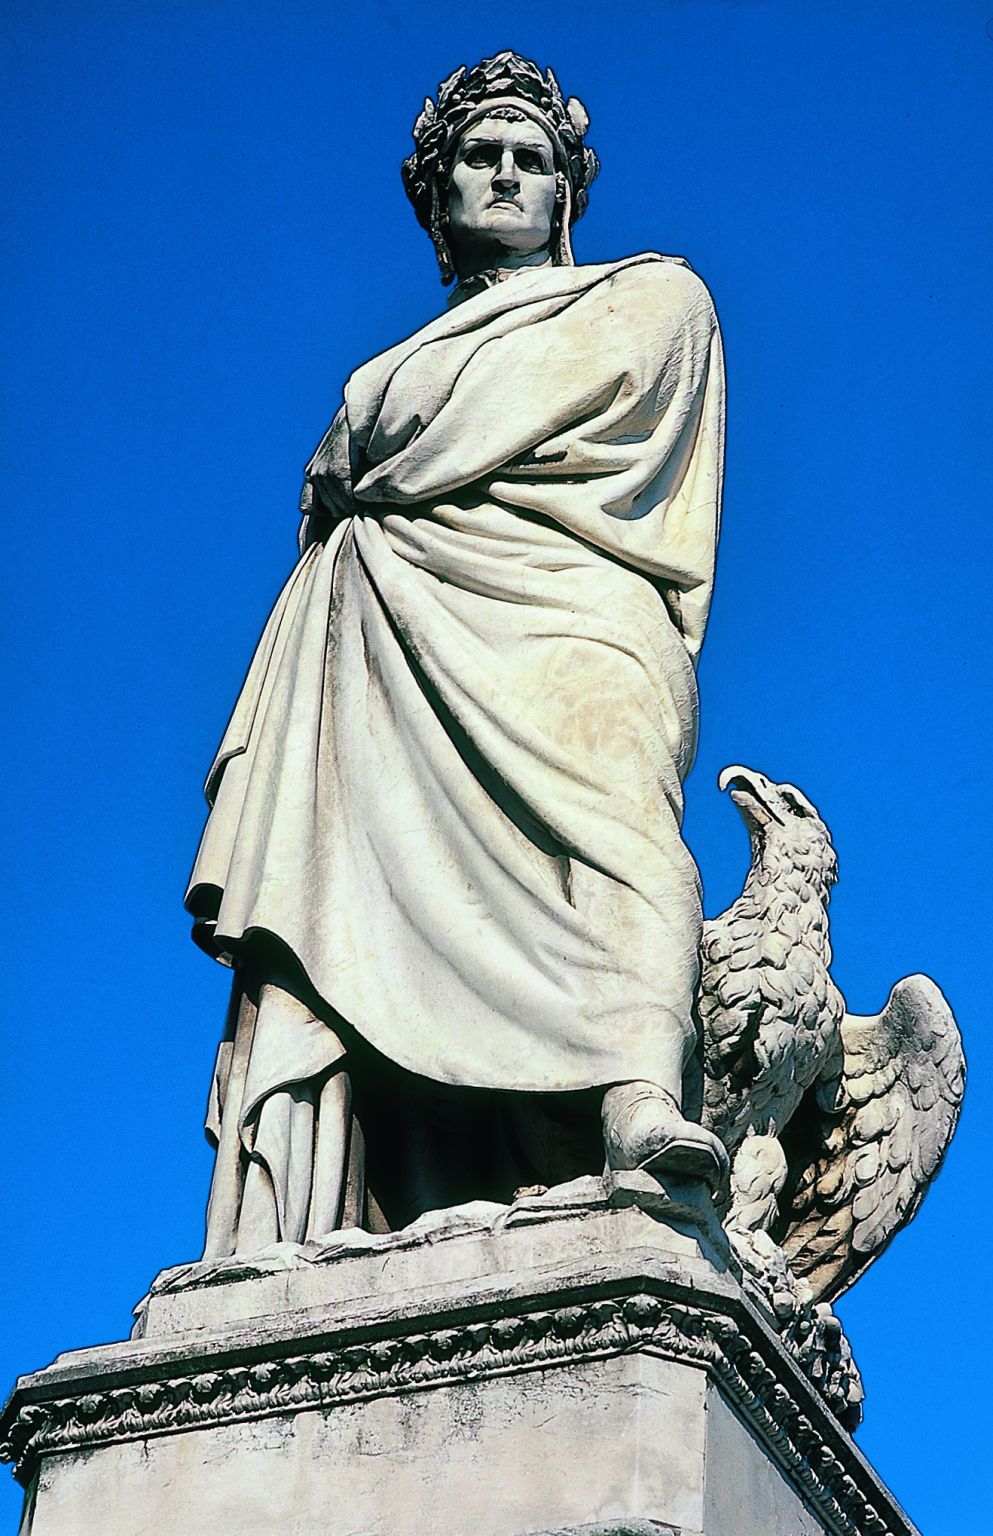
{"points": [[451, 786]]}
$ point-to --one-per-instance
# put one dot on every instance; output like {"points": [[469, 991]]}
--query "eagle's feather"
{"points": [[871, 1163], [864, 1106]]}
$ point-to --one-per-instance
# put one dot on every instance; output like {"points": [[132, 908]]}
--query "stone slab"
{"points": [[578, 1227], [592, 1370]]}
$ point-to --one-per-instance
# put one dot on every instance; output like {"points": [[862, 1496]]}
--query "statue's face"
{"points": [[501, 192]]}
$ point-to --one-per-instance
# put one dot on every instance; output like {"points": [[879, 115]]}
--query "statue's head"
{"points": [[789, 839], [500, 172]]}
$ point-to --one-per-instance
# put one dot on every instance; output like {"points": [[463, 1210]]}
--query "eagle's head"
{"points": [[785, 830]]}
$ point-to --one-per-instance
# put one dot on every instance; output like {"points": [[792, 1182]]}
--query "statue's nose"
{"points": [[506, 173]]}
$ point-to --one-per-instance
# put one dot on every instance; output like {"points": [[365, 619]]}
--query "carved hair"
{"points": [[510, 87]]}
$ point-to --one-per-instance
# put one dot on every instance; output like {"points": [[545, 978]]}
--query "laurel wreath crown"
{"points": [[507, 75]]}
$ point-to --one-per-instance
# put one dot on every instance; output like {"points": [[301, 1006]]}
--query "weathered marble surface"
{"points": [[444, 855], [837, 1123], [586, 1368], [445, 814], [623, 1440], [579, 1227]]}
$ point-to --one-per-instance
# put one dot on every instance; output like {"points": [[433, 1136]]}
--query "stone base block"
{"points": [[583, 1363]]}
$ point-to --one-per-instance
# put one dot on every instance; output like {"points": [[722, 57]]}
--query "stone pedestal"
{"points": [[581, 1362]]}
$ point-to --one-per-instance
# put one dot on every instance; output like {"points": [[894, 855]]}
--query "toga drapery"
{"points": [[451, 786]]}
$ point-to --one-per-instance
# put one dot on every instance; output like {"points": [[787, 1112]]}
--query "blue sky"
{"points": [[206, 232]]}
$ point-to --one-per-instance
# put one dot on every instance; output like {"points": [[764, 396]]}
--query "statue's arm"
{"points": [[327, 487], [641, 336]]}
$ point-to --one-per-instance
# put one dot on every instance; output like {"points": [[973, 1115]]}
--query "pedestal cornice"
{"points": [[292, 1365]]}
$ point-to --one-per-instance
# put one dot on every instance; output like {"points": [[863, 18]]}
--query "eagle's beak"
{"points": [[729, 775], [746, 788]]}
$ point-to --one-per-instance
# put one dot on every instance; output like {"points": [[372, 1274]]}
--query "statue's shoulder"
{"points": [[656, 281]]}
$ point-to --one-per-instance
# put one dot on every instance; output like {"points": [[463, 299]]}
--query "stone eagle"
{"points": [[836, 1123]]}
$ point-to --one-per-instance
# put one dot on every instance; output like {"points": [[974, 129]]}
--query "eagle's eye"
{"points": [[794, 803]]}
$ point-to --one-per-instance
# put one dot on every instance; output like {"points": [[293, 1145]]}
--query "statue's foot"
{"points": [[643, 1128]]}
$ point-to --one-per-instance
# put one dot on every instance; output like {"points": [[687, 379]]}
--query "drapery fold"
{"points": [[451, 786]]}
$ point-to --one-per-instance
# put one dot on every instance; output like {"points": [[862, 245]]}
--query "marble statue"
{"points": [[533, 1190], [443, 853], [833, 1125], [836, 1122]]}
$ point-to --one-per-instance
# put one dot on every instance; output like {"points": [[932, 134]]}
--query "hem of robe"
{"points": [[225, 948]]}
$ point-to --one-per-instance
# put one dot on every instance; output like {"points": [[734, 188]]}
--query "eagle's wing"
{"points": [[867, 1167]]}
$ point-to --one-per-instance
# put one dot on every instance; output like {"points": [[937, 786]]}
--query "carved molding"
{"points": [[528, 1340], [616, 1528]]}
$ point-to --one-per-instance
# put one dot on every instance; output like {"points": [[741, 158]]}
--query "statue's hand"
{"points": [[315, 526], [327, 486]]}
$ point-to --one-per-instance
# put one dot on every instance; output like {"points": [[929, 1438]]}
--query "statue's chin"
{"points": [[501, 237]]}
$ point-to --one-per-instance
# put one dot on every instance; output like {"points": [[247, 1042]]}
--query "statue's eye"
{"points": [[481, 156], [530, 160], [793, 803]]}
